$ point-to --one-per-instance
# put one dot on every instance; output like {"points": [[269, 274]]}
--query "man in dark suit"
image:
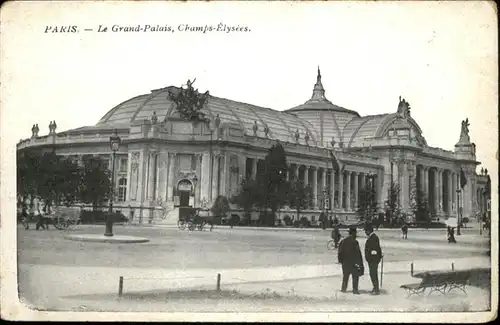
{"points": [[373, 255], [349, 255]]}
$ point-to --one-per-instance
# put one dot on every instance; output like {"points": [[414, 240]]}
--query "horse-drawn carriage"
{"points": [[195, 219]]}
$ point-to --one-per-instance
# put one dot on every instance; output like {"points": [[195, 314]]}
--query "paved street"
{"points": [[57, 273]]}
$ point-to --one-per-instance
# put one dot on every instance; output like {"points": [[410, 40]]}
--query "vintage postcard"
{"points": [[330, 161]]}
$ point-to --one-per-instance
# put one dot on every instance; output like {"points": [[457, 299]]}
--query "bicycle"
{"points": [[330, 245]]}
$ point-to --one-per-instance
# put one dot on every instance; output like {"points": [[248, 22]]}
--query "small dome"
{"points": [[328, 119]]}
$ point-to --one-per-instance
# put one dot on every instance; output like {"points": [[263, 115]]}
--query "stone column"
{"points": [[332, 188], [171, 176], [403, 188], [421, 177], [306, 175], [130, 174], [356, 191], [162, 175], [215, 177], [297, 172], [152, 175], [426, 182], [143, 169], [199, 172], [224, 174], [242, 169], [436, 187], [254, 168], [288, 166], [412, 184], [315, 186], [348, 191], [450, 191], [341, 189], [205, 178], [363, 180], [324, 189]]}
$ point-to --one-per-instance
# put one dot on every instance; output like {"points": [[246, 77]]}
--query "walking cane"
{"points": [[382, 271]]}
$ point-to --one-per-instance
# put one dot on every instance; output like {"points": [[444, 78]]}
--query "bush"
{"points": [[287, 220], [90, 217], [304, 222]]}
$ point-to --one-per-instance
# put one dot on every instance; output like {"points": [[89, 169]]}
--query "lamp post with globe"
{"points": [[114, 142], [195, 181]]}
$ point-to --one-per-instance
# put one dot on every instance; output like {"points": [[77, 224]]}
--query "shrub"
{"points": [[287, 220], [304, 222]]}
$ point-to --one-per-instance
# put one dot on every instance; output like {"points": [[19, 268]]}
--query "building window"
{"points": [[123, 165], [122, 189]]}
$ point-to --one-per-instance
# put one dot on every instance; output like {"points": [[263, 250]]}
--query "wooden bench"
{"points": [[440, 281]]}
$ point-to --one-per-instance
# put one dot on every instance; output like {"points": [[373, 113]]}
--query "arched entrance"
{"points": [[185, 189]]}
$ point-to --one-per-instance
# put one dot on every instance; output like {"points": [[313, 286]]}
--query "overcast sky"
{"points": [[441, 57]]}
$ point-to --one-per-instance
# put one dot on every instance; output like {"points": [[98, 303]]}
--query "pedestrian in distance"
{"points": [[404, 230], [349, 255], [373, 256], [451, 235]]}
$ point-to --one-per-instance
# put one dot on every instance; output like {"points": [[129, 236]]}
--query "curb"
{"points": [[103, 239]]}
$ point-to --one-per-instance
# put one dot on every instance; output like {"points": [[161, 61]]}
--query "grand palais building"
{"points": [[165, 162]]}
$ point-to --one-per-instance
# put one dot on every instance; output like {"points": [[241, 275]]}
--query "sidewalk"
{"points": [[61, 283]]}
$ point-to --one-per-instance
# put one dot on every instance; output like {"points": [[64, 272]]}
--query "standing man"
{"points": [[404, 229], [373, 255], [349, 255]]}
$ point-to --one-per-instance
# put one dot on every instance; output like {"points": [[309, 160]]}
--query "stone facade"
{"points": [[168, 162]]}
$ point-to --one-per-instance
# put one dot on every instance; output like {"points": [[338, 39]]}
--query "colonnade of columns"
{"points": [[439, 186], [331, 188]]}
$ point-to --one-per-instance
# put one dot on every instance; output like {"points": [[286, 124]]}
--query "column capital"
{"points": [[172, 154]]}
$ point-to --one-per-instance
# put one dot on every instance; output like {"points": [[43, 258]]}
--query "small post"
{"points": [[382, 271], [218, 281], [453, 266], [120, 287], [411, 269]]}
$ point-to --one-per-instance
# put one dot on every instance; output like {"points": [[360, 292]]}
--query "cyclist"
{"points": [[336, 235]]}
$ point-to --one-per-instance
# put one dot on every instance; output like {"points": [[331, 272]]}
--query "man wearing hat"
{"points": [[373, 255], [349, 255]]}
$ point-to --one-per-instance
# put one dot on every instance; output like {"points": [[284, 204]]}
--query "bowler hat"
{"points": [[352, 230], [368, 227]]}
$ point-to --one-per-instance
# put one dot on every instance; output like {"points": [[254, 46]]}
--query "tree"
{"points": [[421, 208], [221, 206], [189, 102], [248, 195], [367, 203], [96, 181], [272, 181], [47, 177], [300, 196], [392, 203]]}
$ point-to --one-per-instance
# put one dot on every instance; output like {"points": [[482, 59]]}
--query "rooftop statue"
{"points": [[154, 118], [266, 130], [255, 128], [464, 132], [403, 107]]}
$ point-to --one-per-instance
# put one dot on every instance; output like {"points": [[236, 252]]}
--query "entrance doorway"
{"points": [[184, 188], [184, 198]]}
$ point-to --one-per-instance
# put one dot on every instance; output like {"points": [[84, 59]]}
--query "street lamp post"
{"points": [[195, 181], [114, 142]]}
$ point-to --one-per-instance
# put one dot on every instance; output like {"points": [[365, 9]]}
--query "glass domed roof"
{"points": [[321, 120]]}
